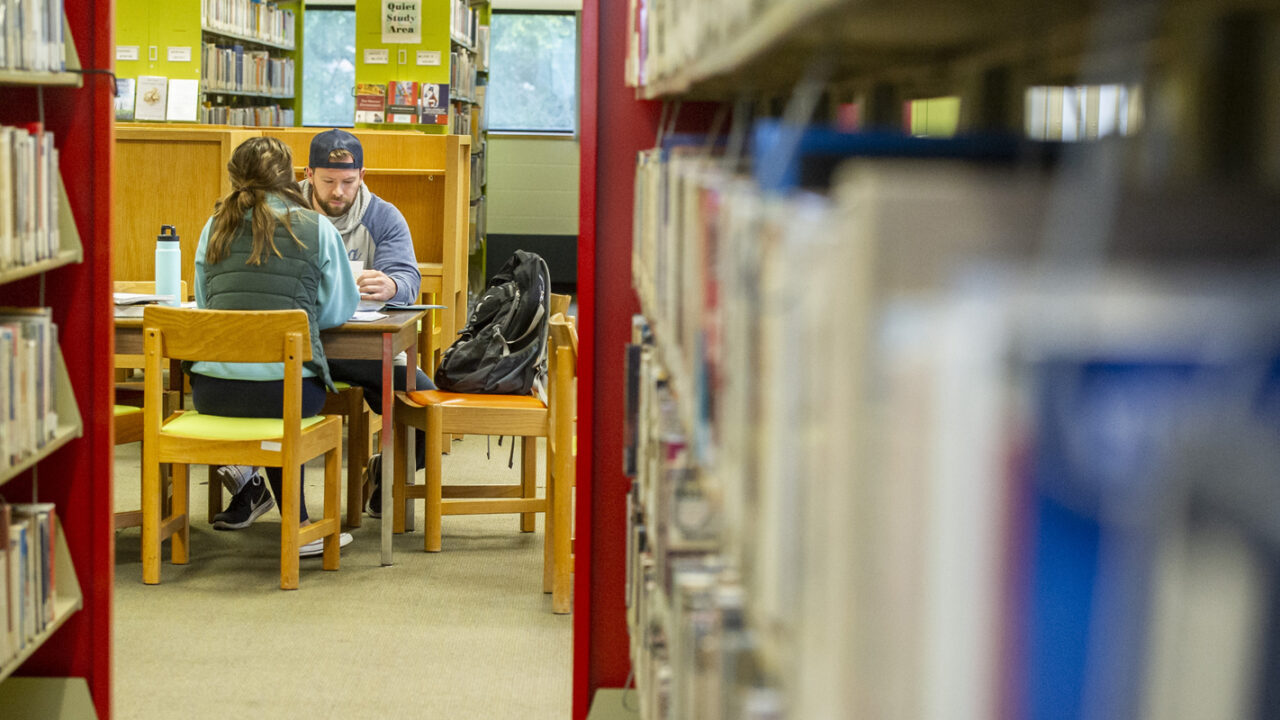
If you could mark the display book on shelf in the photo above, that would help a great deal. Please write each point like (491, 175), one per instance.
(248, 52)
(38, 410)
(890, 457)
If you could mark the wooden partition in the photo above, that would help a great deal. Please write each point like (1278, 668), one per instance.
(173, 176)
(166, 176)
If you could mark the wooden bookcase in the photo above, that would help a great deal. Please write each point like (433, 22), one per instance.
(75, 471)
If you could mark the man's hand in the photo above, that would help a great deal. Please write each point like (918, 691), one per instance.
(374, 285)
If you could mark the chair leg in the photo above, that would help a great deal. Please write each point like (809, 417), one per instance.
(215, 492)
(357, 458)
(528, 479)
(435, 442)
(150, 520)
(180, 507)
(332, 511)
(289, 514)
(400, 474)
(548, 526)
(558, 513)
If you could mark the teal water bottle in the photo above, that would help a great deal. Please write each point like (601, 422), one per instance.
(169, 265)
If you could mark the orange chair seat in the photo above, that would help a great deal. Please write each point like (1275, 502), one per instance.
(452, 399)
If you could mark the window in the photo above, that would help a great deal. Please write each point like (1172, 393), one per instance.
(328, 66)
(533, 72)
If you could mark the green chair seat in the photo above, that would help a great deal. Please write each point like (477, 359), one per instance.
(119, 410)
(216, 427)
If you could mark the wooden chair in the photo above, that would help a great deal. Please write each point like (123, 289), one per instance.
(191, 438)
(439, 414)
(558, 556)
(128, 425)
(362, 423)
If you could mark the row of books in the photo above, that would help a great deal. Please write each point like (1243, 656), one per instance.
(28, 534)
(234, 69)
(252, 18)
(462, 121)
(665, 37)
(250, 116)
(479, 170)
(477, 225)
(31, 35)
(462, 74)
(29, 196)
(402, 101)
(465, 23)
(28, 386)
(892, 460)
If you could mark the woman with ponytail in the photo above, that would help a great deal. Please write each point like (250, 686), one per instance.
(265, 249)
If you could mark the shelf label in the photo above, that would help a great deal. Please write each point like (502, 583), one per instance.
(428, 57)
(377, 56)
(402, 21)
(126, 52)
(179, 53)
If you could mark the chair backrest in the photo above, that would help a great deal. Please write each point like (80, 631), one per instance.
(227, 335)
(559, 304)
(258, 336)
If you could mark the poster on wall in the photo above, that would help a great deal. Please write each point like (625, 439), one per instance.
(402, 21)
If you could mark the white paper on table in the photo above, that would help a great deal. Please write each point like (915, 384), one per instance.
(366, 316)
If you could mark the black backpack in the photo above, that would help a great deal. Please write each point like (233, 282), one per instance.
(503, 348)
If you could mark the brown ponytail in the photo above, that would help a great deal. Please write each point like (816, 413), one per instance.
(258, 167)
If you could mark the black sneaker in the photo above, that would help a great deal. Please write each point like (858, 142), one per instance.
(248, 505)
(373, 477)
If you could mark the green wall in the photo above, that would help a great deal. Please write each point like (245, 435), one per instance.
(533, 185)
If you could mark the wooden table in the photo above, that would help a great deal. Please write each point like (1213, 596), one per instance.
(382, 339)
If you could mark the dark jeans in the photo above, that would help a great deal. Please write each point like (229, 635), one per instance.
(368, 375)
(257, 399)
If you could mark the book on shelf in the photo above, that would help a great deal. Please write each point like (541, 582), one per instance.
(29, 198)
(402, 102)
(151, 102)
(125, 91)
(29, 601)
(28, 341)
(435, 104)
(183, 103)
(371, 102)
(31, 35)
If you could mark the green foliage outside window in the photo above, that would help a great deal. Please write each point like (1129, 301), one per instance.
(329, 67)
(533, 72)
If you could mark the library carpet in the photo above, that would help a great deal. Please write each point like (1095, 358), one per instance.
(465, 633)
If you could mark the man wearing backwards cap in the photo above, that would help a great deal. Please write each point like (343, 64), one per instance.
(375, 233)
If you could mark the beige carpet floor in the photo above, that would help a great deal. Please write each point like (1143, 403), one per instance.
(462, 634)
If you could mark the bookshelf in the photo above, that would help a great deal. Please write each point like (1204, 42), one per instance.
(73, 470)
(239, 53)
(883, 536)
(471, 71)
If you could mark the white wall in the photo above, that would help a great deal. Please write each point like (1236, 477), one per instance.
(572, 5)
(532, 185)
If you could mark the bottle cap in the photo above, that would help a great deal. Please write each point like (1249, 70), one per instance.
(168, 233)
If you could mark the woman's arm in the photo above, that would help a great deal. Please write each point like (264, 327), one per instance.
(338, 297)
